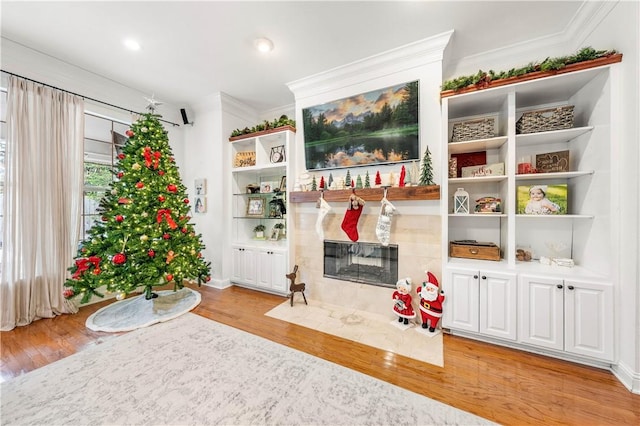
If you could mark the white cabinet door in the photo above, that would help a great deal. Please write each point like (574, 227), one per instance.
(461, 307)
(279, 281)
(541, 311)
(589, 319)
(498, 315)
(272, 270)
(244, 265)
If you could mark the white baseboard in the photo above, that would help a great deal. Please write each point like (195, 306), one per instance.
(219, 284)
(629, 378)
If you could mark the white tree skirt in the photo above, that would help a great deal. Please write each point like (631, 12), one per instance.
(138, 312)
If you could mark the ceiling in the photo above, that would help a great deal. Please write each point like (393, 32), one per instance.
(193, 49)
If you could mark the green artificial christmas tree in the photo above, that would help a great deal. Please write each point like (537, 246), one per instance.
(144, 239)
(358, 182)
(347, 179)
(367, 182)
(426, 171)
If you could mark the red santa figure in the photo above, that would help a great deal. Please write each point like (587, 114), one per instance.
(430, 302)
(402, 301)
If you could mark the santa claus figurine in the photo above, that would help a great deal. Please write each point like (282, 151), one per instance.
(431, 299)
(402, 301)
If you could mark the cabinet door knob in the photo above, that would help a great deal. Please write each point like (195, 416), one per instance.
(475, 277)
(571, 287)
(559, 285)
(484, 277)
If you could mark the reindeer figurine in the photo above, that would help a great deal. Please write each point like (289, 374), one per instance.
(293, 287)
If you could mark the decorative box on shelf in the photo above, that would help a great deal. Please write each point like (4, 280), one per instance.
(544, 120)
(481, 128)
(471, 249)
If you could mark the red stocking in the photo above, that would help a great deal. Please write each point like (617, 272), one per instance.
(351, 217)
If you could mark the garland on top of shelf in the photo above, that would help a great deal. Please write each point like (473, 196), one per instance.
(483, 80)
(283, 121)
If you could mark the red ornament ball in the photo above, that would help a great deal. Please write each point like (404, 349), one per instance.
(119, 258)
(166, 236)
(120, 174)
(208, 278)
(121, 156)
(161, 198)
(123, 200)
(129, 133)
(151, 253)
(169, 277)
(119, 218)
(186, 201)
(67, 293)
(161, 172)
(184, 230)
(172, 188)
(139, 185)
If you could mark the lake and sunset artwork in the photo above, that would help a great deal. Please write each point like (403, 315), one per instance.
(376, 127)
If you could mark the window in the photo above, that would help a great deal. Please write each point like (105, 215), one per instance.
(103, 140)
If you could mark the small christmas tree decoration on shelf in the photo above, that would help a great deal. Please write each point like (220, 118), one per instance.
(426, 172)
(378, 179)
(359, 182)
(347, 180)
(145, 238)
(322, 185)
(314, 184)
(367, 180)
(403, 174)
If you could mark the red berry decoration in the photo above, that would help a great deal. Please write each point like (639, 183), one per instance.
(129, 133)
(151, 253)
(139, 185)
(119, 218)
(121, 156)
(119, 258)
(166, 236)
(161, 172)
(161, 198)
(184, 230)
(120, 174)
(172, 188)
(169, 277)
(186, 201)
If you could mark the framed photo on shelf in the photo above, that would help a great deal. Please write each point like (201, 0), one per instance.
(266, 187)
(542, 199)
(255, 206)
(275, 234)
(283, 184)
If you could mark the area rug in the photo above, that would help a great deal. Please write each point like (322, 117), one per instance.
(194, 371)
(377, 330)
(136, 312)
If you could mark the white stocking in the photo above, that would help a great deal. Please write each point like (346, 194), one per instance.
(324, 209)
(383, 227)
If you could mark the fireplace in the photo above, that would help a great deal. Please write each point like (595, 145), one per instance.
(368, 263)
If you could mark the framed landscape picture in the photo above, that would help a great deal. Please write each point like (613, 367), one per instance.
(376, 127)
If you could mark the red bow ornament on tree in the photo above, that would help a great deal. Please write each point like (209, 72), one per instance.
(166, 214)
(84, 265)
(151, 157)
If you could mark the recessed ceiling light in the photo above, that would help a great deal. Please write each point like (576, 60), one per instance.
(263, 44)
(131, 44)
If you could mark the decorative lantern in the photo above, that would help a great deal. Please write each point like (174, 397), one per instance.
(461, 201)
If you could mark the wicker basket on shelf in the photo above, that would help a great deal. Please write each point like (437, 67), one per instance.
(473, 129)
(544, 120)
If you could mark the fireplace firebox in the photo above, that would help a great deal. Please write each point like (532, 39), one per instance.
(360, 262)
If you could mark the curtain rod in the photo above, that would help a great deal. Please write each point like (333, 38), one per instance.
(84, 97)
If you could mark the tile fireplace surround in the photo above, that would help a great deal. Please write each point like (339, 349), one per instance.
(419, 248)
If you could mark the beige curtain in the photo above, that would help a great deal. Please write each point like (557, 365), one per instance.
(42, 200)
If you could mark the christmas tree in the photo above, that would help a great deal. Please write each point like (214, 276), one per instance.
(367, 181)
(144, 239)
(426, 171)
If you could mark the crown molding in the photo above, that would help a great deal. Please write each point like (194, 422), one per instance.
(586, 19)
(416, 54)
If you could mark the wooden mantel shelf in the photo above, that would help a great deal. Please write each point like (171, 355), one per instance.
(407, 193)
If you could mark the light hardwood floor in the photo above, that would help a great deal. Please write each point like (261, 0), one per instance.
(503, 385)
